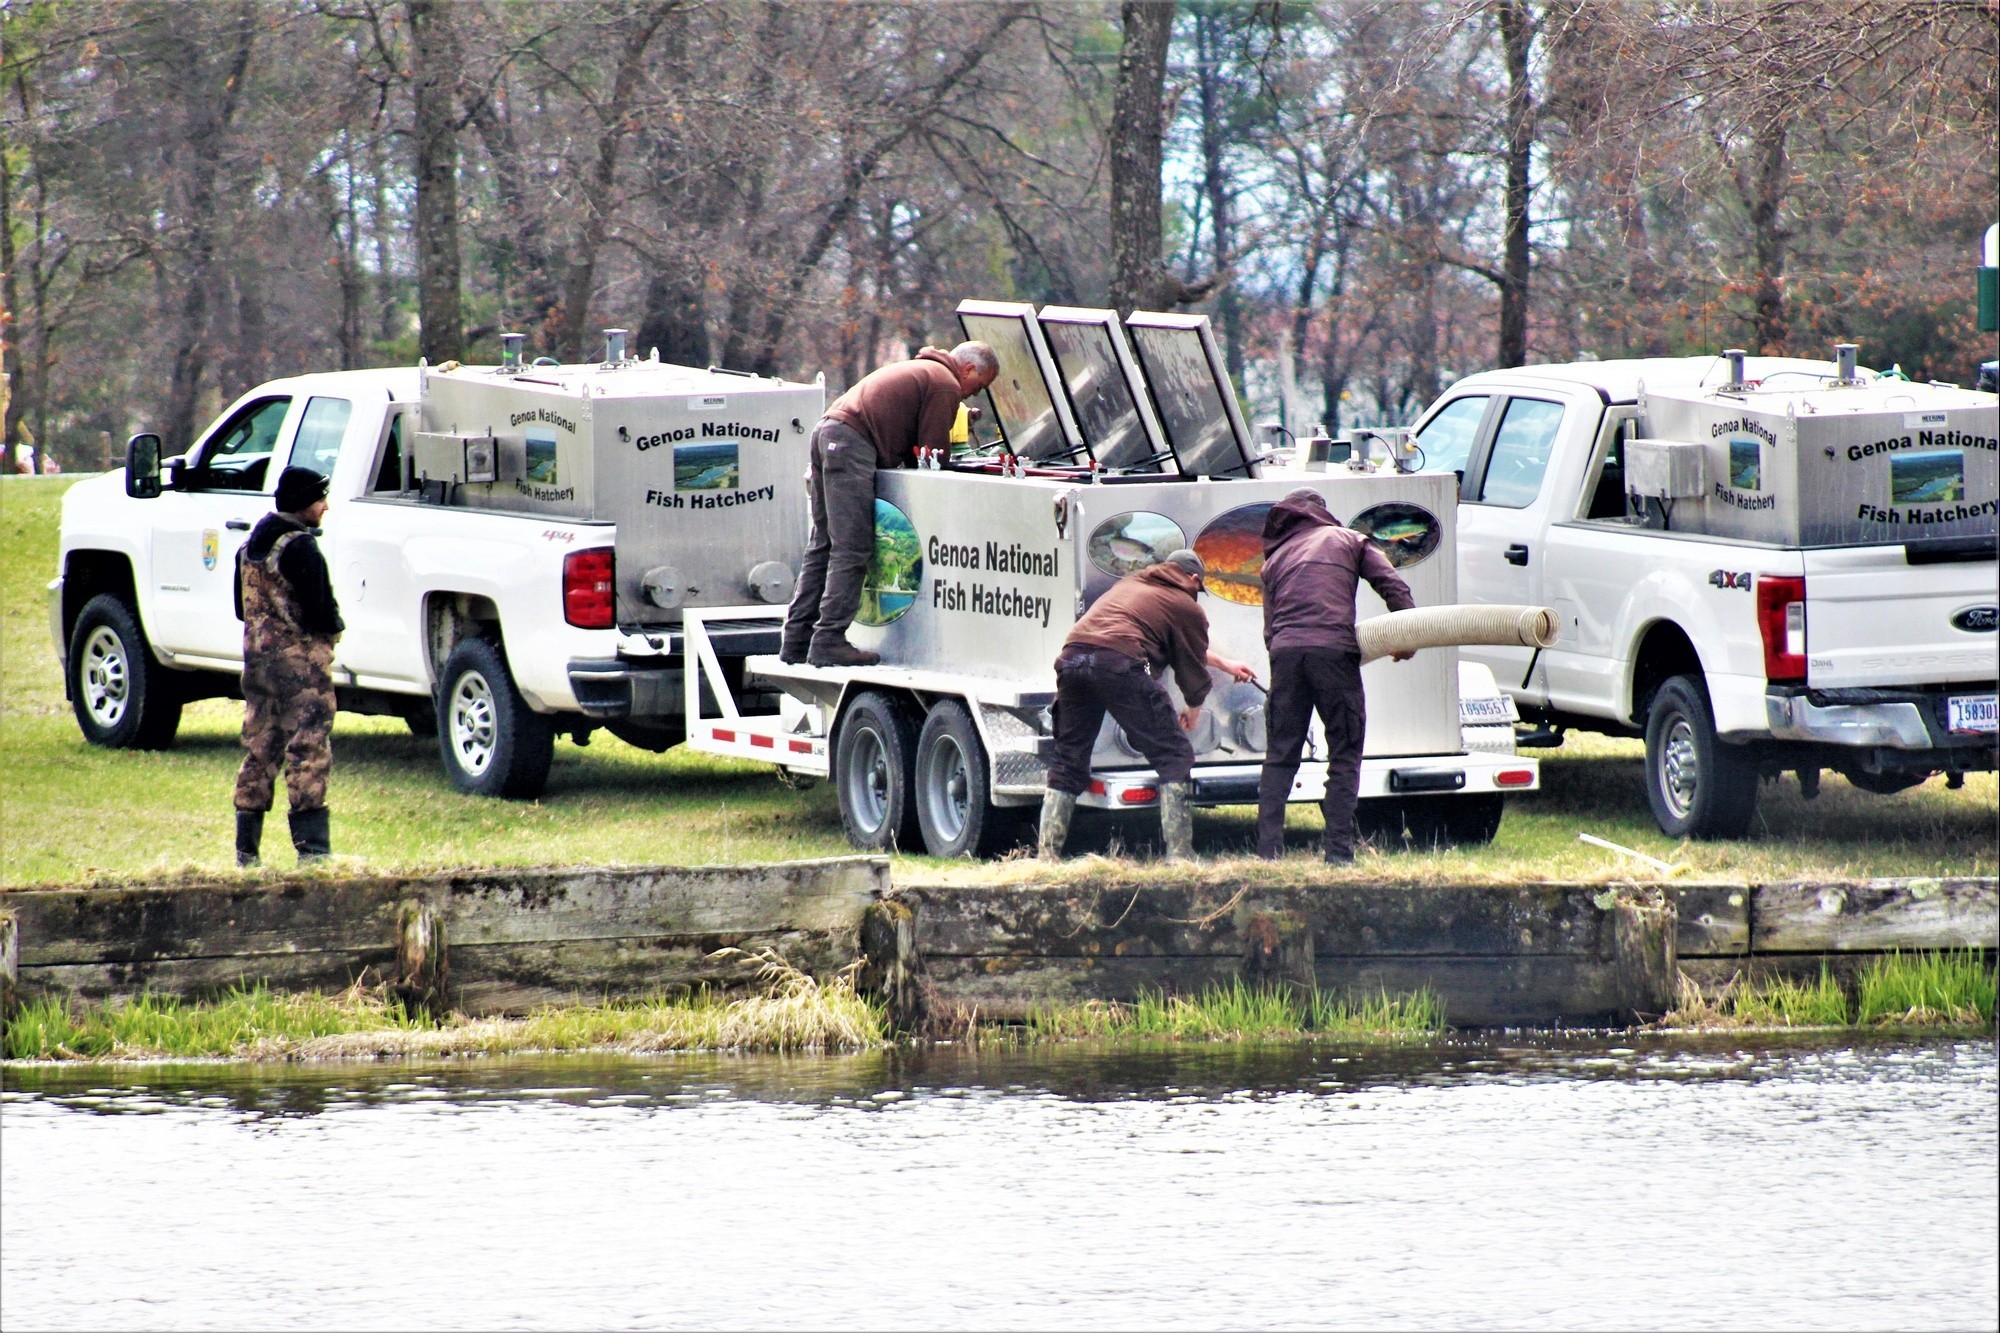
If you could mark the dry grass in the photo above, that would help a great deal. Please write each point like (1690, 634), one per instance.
(794, 1012)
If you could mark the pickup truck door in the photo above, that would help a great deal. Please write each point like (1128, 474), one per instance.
(1503, 462)
(384, 643)
(225, 487)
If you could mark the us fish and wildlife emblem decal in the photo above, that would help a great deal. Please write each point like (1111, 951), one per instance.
(211, 544)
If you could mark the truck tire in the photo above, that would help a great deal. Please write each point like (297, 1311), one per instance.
(122, 698)
(955, 810)
(1698, 786)
(874, 761)
(492, 743)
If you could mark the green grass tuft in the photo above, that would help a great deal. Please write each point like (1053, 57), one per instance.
(1782, 1002)
(1955, 987)
(245, 1021)
(1237, 1012)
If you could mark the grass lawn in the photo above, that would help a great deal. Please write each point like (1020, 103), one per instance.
(71, 812)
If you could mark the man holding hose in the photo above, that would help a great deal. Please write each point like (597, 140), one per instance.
(1312, 569)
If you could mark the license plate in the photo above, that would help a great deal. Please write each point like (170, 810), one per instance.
(1486, 712)
(1971, 712)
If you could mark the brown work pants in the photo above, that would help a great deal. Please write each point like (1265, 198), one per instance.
(1091, 682)
(1305, 681)
(841, 490)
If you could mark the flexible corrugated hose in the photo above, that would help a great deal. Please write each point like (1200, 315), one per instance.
(1447, 626)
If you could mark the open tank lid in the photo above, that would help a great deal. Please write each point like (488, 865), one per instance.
(1194, 395)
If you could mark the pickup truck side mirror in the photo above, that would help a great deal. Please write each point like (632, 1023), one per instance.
(142, 466)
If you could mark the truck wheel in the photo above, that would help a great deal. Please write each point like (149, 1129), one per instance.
(873, 762)
(955, 808)
(1698, 787)
(122, 698)
(493, 744)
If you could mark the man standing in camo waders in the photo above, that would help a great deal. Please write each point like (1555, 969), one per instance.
(1148, 622)
(284, 598)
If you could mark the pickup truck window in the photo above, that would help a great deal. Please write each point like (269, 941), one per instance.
(1520, 453)
(320, 429)
(389, 468)
(1447, 438)
(239, 455)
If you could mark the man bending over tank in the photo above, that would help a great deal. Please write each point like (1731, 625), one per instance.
(290, 623)
(1148, 622)
(879, 423)
(1312, 569)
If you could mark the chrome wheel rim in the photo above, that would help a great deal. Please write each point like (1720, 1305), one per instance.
(1680, 768)
(473, 723)
(868, 780)
(947, 785)
(107, 677)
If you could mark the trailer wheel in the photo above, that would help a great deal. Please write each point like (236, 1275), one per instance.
(493, 744)
(122, 699)
(873, 763)
(1698, 786)
(955, 807)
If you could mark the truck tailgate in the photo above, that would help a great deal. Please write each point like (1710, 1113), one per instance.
(1873, 619)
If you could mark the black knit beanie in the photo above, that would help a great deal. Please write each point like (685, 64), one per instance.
(298, 489)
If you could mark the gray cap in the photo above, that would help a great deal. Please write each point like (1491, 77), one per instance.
(1189, 561)
(1308, 495)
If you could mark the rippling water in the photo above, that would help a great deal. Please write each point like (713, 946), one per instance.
(1669, 1183)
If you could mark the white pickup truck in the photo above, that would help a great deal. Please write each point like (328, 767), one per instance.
(510, 547)
(1783, 568)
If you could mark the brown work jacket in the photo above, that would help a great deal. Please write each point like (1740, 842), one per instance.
(1312, 569)
(903, 407)
(1152, 617)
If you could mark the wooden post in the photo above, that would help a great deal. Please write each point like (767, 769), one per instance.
(10, 966)
(1643, 931)
(420, 959)
(1278, 952)
(891, 969)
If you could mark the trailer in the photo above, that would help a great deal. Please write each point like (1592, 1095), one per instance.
(1106, 446)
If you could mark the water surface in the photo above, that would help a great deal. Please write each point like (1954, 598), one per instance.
(1689, 1183)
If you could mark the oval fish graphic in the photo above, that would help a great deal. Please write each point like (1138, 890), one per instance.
(1406, 533)
(211, 546)
(896, 573)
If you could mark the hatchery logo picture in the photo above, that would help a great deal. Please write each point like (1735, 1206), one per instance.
(706, 467)
(542, 458)
(1746, 463)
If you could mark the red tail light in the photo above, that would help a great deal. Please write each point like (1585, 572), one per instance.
(1781, 620)
(1139, 795)
(589, 596)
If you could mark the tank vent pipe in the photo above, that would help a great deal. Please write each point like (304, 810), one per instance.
(1843, 353)
(1735, 358)
(614, 347)
(510, 350)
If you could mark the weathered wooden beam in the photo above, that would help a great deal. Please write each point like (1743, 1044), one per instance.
(10, 966)
(1712, 920)
(1875, 915)
(892, 968)
(422, 960)
(1278, 953)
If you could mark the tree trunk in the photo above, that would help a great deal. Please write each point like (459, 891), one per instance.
(1215, 184)
(1517, 35)
(434, 83)
(209, 124)
(613, 121)
(10, 305)
(1768, 236)
(1137, 128)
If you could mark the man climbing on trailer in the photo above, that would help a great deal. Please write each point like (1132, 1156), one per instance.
(1146, 623)
(879, 423)
(1312, 569)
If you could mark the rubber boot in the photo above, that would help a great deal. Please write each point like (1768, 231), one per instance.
(1057, 809)
(1177, 819)
(833, 650)
(311, 835)
(249, 837)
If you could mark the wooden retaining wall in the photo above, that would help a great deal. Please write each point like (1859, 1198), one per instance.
(508, 940)
(484, 942)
